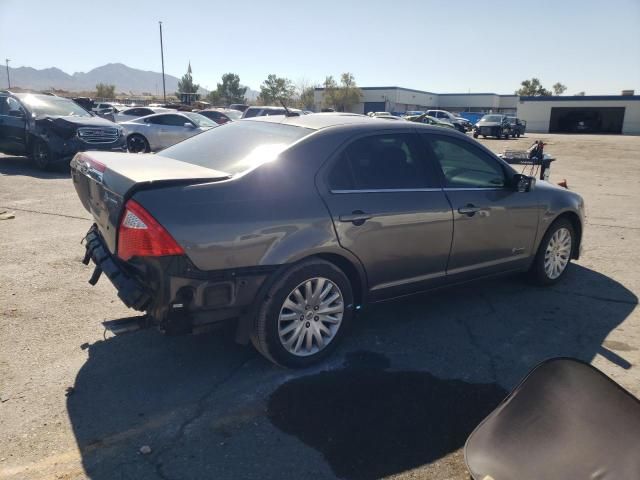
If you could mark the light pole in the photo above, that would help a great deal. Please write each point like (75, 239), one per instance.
(164, 89)
(6, 61)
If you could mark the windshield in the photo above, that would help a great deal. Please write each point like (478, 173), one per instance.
(200, 120)
(491, 118)
(49, 106)
(236, 147)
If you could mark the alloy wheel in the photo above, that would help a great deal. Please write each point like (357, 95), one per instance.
(557, 253)
(310, 317)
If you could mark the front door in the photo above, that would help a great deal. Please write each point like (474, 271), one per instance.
(12, 126)
(494, 225)
(390, 211)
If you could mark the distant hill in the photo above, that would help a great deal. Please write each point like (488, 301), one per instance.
(126, 79)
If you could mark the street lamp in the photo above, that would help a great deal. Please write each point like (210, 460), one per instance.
(6, 61)
(164, 89)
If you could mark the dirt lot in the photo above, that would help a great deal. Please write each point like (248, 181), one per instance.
(397, 400)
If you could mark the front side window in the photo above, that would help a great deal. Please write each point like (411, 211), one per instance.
(252, 112)
(173, 120)
(464, 165)
(381, 162)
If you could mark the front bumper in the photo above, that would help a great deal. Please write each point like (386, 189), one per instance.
(64, 150)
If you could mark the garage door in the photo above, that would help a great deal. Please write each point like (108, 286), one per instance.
(374, 107)
(586, 120)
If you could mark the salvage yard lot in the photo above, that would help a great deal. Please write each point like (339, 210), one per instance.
(396, 400)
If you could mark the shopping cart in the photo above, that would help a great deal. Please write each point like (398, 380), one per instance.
(534, 160)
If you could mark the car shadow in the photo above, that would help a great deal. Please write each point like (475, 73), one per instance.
(23, 166)
(404, 390)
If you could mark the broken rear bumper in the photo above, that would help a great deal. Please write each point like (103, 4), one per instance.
(130, 291)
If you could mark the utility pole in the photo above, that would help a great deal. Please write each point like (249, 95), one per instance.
(164, 88)
(6, 61)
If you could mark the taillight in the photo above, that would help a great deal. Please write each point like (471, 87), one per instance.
(140, 235)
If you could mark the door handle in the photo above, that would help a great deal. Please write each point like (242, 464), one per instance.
(357, 217)
(469, 210)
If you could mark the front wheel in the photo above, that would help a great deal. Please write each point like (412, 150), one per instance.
(41, 155)
(304, 315)
(475, 135)
(554, 253)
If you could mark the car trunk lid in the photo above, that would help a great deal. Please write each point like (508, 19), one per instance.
(105, 180)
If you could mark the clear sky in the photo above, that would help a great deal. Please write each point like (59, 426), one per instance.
(440, 46)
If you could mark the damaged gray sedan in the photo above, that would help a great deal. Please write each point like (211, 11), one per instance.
(288, 225)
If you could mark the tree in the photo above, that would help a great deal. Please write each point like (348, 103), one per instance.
(559, 88)
(579, 94)
(532, 88)
(105, 91)
(344, 96)
(275, 90)
(330, 92)
(186, 85)
(307, 98)
(229, 91)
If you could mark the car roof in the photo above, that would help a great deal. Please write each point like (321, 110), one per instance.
(318, 121)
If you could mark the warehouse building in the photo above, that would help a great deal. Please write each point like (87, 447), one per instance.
(553, 114)
(582, 114)
(400, 100)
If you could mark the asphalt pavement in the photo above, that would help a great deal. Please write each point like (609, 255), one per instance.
(396, 400)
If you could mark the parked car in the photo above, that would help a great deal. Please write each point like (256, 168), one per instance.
(388, 117)
(238, 106)
(428, 120)
(518, 127)
(266, 111)
(161, 130)
(288, 225)
(132, 113)
(51, 129)
(221, 115)
(466, 124)
(458, 122)
(493, 125)
(413, 113)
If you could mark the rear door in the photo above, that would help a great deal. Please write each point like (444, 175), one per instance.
(494, 225)
(389, 210)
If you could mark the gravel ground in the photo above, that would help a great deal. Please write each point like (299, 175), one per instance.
(397, 400)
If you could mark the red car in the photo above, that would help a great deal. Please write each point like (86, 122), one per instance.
(221, 115)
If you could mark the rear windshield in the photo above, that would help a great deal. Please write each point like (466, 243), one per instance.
(236, 147)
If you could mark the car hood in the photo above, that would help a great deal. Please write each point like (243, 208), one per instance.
(72, 122)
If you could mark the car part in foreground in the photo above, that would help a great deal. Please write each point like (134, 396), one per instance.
(565, 420)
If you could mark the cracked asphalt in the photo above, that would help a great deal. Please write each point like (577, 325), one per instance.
(397, 400)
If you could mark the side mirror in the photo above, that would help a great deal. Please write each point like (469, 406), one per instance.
(189, 125)
(523, 183)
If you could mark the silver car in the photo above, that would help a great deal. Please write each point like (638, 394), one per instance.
(161, 130)
(128, 114)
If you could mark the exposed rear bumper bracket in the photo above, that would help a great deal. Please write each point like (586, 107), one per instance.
(130, 291)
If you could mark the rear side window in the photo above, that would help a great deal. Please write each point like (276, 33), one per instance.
(381, 162)
(464, 165)
(236, 147)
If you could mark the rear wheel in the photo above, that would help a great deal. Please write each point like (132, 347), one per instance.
(41, 155)
(304, 315)
(554, 253)
(475, 135)
(136, 143)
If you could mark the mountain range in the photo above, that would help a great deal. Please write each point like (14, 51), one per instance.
(126, 79)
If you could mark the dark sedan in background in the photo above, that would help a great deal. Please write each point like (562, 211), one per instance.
(287, 225)
(493, 125)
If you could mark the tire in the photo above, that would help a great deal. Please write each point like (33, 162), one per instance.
(41, 155)
(270, 334)
(137, 143)
(475, 135)
(541, 275)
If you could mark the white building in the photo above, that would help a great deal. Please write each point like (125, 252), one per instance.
(594, 114)
(400, 100)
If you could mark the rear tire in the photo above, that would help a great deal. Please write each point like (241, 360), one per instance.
(291, 318)
(475, 135)
(554, 253)
(137, 143)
